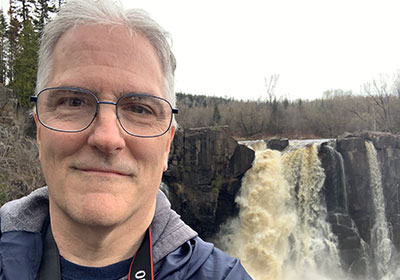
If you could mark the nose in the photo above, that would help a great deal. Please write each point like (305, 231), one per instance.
(106, 134)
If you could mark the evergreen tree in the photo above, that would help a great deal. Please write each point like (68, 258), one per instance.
(3, 47)
(216, 115)
(23, 43)
(12, 36)
(285, 103)
(276, 115)
(60, 2)
(43, 11)
(24, 9)
(25, 66)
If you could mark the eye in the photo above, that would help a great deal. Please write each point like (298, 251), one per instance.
(140, 109)
(138, 105)
(63, 101)
(71, 101)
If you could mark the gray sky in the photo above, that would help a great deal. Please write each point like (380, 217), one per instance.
(228, 47)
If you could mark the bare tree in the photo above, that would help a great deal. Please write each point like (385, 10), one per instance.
(270, 85)
(380, 93)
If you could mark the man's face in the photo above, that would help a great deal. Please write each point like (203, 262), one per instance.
(102, 176)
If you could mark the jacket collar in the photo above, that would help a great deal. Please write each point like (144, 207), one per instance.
(23, 219)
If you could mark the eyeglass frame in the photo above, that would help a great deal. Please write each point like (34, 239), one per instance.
(35, 99)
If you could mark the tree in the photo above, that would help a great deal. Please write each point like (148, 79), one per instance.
(43, 11)
(12, 35)
(381, 94)
(274, 121)
(3, 47)
(270, 85)
(25, 67)
(60, 2)
(216, 115)
(24, 9)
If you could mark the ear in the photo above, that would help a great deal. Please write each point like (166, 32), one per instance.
(171, 134)
(37, 128)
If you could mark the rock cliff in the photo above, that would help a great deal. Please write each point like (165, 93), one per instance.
(204, 176)
(349, 191)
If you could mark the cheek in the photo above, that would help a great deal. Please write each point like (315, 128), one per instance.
(149, 152)
(54, 147)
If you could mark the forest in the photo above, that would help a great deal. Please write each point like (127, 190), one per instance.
(20, 29)
(376, 107)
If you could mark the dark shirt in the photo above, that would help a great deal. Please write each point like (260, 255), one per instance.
(71, 271)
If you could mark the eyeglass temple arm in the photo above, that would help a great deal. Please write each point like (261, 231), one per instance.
(175, 111)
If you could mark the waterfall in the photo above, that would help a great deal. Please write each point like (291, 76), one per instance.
(338, 177)
(342, 177)
(267, 218)
(314, 247)
(281, 231)
(382, 247)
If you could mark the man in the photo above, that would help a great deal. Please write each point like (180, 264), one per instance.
(104, 116)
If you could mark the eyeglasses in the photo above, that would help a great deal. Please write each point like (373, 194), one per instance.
(69, 109)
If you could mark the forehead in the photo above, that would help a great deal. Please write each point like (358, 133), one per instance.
(106, 58)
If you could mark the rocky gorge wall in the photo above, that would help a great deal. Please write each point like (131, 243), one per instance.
(350, 191)
(204, 175)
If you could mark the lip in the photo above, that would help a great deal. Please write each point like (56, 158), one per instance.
(102, 171)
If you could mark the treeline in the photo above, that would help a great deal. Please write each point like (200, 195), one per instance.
(20, 29)
(376, 108)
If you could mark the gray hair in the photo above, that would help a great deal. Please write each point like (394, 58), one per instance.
(80, 12)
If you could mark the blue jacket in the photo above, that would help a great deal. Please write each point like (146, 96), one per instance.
(178, 253)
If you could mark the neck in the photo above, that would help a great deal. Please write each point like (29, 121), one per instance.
(97, 246)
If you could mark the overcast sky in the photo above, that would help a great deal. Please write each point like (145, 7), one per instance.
(228, 47)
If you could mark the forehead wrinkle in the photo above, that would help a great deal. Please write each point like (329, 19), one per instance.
(91, 57)
(117, 87)
(90, 49)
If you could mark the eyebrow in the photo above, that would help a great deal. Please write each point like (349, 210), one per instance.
(97, 92)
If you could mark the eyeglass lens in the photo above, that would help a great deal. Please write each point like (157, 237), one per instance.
(74, 110)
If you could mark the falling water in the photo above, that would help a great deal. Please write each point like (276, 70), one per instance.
(281, 232)
(383, 248)
(267, 218)
(338, 179)
(314, 246)
(342, 178)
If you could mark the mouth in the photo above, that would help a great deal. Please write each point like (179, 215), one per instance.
(102, 171)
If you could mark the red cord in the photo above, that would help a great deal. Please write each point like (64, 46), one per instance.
(151, 259)
(151, 255)
(130, 267)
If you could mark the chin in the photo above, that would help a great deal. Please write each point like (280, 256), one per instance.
(100, 218)
(101, 212)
